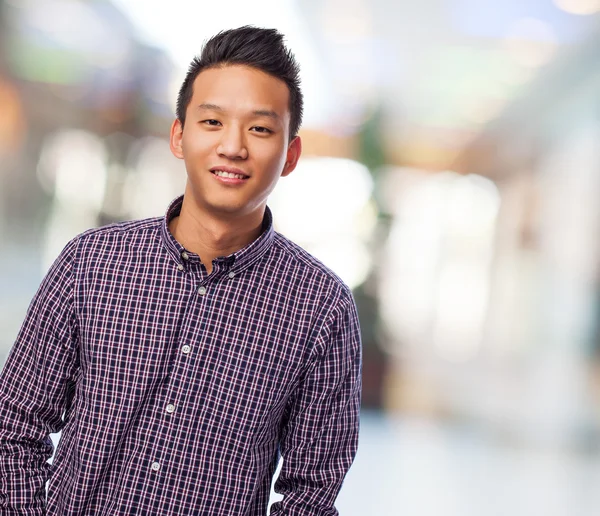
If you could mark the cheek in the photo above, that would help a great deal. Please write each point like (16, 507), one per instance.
(195, 145)
(271, 157)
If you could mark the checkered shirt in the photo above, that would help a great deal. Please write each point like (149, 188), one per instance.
(176, 391)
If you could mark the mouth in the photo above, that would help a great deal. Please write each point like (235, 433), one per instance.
(230, 173)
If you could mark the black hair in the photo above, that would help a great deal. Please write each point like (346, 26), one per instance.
(255, 47)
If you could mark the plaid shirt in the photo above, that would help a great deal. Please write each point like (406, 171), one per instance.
(176, 390)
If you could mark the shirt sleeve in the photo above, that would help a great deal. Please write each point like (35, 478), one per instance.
(320, 436)
(36, 388)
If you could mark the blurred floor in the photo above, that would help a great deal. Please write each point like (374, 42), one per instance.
(410, 467)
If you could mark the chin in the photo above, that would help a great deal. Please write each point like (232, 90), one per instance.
(228, 208)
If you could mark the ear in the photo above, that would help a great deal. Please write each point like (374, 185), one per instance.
(293, 155)
(175, 139)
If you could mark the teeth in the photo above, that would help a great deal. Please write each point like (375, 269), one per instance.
(222, 173)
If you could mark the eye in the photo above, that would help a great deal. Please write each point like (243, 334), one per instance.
(262, 130)
(211, 122)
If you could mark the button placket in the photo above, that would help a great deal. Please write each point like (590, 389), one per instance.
(170, 408)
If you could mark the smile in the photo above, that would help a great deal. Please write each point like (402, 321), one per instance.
(232, 175)
(229, 176)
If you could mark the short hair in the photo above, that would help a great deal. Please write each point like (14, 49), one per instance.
(255, 47)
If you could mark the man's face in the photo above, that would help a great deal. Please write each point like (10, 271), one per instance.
(235, 142)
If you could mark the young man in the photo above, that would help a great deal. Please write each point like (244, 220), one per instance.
(179, 355)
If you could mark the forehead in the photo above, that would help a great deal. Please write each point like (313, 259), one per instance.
(241, 88)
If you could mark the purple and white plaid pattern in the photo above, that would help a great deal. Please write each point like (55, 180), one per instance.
(175, 390)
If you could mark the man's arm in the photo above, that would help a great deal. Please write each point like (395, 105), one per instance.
(35, 389)
(320, 437)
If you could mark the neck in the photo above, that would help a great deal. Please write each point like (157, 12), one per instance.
(211, 236)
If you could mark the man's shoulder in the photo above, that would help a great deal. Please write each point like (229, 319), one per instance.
(121, 229)
(311, 268)
(116, 233)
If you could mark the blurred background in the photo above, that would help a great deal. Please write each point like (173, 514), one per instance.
(450, 176)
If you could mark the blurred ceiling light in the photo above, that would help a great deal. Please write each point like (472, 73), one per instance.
(581, 7)
(531, 42)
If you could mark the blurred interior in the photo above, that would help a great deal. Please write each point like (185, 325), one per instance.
(450, 176)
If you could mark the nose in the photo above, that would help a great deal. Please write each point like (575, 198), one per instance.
(232, 144)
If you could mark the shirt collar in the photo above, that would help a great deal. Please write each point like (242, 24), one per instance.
(235, 261)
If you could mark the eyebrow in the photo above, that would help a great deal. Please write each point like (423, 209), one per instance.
(266, 112)
(212, 107)
(257, 112)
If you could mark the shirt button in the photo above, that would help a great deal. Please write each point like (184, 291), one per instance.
(155, 466)
(202, 291)
(185, 349)
(231, 274)
(184, 255)
(170, 408)
(180, 266)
